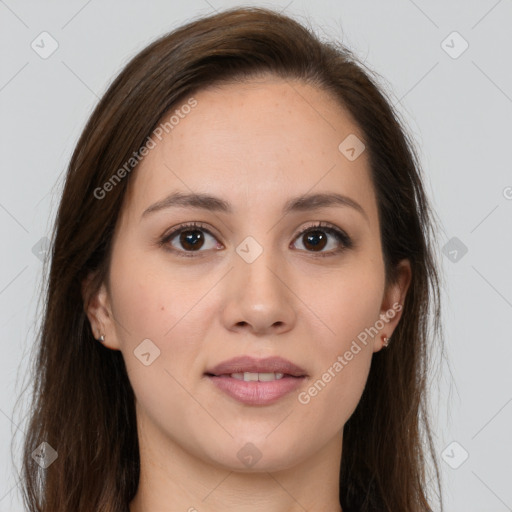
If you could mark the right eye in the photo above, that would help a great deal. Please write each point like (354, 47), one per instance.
(191, 237)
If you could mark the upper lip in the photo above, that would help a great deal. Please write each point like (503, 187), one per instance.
(250, 364)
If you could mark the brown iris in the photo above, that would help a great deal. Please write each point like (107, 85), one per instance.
(316, 239)
(189, 239)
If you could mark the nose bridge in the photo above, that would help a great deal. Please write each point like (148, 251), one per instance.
(257, 294)
(257, 262)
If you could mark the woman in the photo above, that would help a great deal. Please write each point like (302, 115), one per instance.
(242, 288)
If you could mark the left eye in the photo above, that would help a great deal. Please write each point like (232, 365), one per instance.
(314, 238)
(317, 237)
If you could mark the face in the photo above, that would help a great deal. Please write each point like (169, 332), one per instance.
(249, 278)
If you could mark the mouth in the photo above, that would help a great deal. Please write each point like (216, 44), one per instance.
(255, 376)
(249, 368)
(254, 381)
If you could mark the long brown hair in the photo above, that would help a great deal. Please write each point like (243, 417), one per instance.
(82, 400)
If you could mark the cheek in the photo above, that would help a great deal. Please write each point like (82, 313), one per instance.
(152, 302)
(343, 353)
(149, 298)
(348, 303)
(341, 371)
(138, 306)
(148, 304)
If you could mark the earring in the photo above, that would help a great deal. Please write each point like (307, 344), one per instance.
(101, 338)
(385, 341)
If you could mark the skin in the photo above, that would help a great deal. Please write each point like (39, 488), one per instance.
(254, 145)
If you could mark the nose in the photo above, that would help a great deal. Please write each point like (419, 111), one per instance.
(258, 296)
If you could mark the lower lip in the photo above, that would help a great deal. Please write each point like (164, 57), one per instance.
(256, 392)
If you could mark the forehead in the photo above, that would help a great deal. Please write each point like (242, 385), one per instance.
(255, 143)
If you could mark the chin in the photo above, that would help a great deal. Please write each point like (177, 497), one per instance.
(254, 455)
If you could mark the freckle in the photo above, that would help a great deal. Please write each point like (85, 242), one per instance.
(162, 308)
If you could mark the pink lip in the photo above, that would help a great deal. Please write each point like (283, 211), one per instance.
(243, 364)
(256, 392)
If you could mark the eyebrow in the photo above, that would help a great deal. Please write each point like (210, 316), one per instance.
(216, 204)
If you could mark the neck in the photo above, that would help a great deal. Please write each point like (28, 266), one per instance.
(175, 479)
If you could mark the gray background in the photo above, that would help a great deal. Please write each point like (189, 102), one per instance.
(457, 105)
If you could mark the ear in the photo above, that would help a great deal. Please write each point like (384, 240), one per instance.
(393, 302)
(99, 312)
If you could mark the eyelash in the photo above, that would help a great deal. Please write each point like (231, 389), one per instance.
(340, 236)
